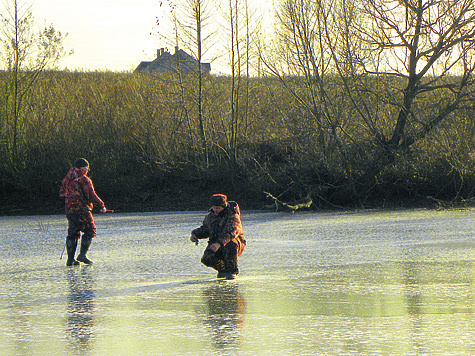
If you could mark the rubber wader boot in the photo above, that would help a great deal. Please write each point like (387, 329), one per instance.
(71, 245)
(232, 269)
(221, 274)
(85, 243)
(231, 275)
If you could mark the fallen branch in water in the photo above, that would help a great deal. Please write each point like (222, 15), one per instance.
(452, 204)
(278, 203)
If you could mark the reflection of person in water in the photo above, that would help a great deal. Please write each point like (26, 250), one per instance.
(226, 310)
(80, 310)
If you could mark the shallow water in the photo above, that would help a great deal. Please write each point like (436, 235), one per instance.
(397, 282)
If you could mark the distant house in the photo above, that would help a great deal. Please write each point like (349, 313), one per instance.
(180, 61)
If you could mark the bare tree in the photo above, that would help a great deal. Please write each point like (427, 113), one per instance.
(371, 79)
(420, 56)
(404, 66)
(300, 58)
(235, 61)
(190, 19)
(26, 54)
(240, 26)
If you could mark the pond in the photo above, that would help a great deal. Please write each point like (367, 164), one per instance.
(372, 282)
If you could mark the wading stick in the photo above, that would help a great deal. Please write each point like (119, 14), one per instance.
(62, 253)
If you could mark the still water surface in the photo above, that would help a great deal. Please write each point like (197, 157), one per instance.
(397, 282)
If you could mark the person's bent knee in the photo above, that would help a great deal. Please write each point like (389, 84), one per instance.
(206, 261)
(208, 258)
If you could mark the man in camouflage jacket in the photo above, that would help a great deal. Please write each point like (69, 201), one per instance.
(79, 194)
(222, 226)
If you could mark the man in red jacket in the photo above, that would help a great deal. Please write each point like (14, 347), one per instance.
(222, 226)
(78, 191)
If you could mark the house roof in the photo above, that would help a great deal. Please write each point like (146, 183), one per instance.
(165, 62)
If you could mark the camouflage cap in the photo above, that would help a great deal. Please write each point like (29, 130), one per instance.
(81, 162)
(219, 200)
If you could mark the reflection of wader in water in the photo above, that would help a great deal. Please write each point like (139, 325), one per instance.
(226, 310)
(80, 309)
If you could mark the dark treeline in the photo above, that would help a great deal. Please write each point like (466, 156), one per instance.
(142, 136)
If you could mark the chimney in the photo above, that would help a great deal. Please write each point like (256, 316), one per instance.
(176, 49)
(160, 52)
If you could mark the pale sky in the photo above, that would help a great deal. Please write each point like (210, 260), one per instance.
(105, 34)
